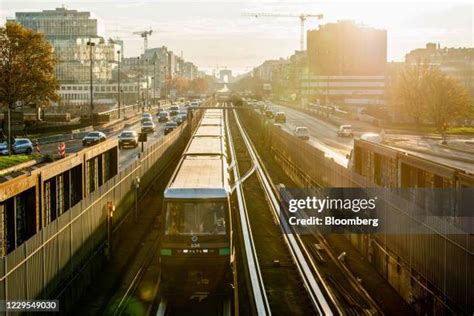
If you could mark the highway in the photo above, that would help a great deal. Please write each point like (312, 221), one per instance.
(323, 136)
(126, 156)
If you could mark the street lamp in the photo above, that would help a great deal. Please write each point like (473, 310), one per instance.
(91, 45)
(154, 82)
(164, 82)
(147, 103)
(118, 84)
(138, 82)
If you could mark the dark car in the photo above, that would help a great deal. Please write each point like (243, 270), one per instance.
(128, 138)
(174, 110)
(163, 116)
(178, 119)
(280, 117)
(269, 113)
(169, 127)
(93, 138)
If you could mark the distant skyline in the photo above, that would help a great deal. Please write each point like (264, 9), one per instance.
(213, 34)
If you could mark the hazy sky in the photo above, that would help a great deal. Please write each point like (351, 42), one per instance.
(215, 34)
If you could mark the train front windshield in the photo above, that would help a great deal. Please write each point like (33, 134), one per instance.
(195, 218)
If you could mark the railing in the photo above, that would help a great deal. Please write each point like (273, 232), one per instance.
(46, 261)
(422, 257)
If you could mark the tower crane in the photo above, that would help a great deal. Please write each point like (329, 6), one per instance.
(302, 18)
(145, 35)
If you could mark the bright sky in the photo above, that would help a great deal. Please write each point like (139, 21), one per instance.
(214, 34)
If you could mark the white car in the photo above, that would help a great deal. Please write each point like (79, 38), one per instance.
(302, 132)
(148, 127)
(147, 115)
(345, 131)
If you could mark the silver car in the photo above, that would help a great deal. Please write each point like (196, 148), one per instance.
(20, 146)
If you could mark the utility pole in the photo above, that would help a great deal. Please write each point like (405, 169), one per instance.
(118, 83)
(91, 45)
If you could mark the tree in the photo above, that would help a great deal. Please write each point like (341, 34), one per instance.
(424, 92)
(199, 85)
(409, 91)
(446, 99)
(27, 68)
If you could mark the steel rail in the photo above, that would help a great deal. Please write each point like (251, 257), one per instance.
(256, 281)
(315, 293)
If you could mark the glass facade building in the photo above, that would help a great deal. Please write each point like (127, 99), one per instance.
(69, 31)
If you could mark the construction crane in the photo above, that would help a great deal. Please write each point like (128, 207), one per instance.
(145, 35)
(302, 18)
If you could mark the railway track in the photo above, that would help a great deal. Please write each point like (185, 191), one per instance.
(344, 291)
(300, 293)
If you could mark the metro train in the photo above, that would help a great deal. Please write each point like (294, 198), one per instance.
(195, 246)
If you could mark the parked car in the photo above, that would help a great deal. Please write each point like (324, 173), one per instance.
(148, 127)
(93, 138)
(128, 138)
(169, 127)
(345, 131)
(302, 132)
(174, 110)
(20, 146)
(280, 117)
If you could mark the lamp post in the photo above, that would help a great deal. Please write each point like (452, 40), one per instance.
(154, 82)
(147, 103)
(118, 83)
(91, 45)
(138, 83)
(164, 82)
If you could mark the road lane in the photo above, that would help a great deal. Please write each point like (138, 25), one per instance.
(126, 155)
(323, 136)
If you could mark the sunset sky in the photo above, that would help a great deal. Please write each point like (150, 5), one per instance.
(215, 34)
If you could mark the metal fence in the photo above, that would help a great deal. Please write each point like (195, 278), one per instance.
(432, 270)
(45, 262)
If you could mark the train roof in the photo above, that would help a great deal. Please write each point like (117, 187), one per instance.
(210, 130)
(206, 145)
(214, 113)
(212, 121)
(199, 177)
